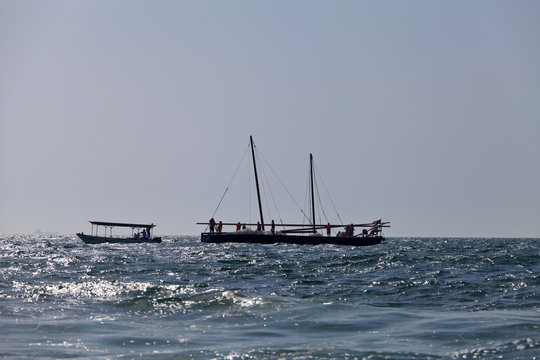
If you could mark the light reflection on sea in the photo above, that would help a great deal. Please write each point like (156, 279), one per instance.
(405, 298)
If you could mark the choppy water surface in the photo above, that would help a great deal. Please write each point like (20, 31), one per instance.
(404, 299)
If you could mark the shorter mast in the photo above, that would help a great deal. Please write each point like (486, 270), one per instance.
(257, 182)
(312, 193)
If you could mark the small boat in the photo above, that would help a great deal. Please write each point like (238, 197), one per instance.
(370, 234)
(138, 236)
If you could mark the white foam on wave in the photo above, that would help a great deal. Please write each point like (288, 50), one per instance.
(242, 301)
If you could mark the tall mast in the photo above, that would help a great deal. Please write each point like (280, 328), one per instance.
(257, 182)
(312, 192)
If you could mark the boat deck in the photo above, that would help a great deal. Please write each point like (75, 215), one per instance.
(90, 239)
(268, 238)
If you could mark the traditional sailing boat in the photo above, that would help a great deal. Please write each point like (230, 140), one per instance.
(371, 233)
(136, 236)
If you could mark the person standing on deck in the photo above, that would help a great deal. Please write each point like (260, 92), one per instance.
(328, 229)
(220, 227)
(273, 227)
(212, 224)
(258, 226)
(350, 230)
(238, 226)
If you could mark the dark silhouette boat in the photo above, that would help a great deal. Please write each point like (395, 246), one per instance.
(370, 234)
(137, 236)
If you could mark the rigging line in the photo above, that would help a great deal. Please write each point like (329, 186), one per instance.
(270, 190)
(284, 187)
(307, 198)
(328, 194)
(320, 202)
(230, 181)
(264, 182)
(266, 178)
(318, 206)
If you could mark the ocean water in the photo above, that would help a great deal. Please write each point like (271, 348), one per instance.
(428, 298)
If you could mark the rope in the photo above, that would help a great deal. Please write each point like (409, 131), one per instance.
(328, 194)
(307, 197)
(307, 216)
(262, 183)
(284, 187)
(229, 184)
(259, 154)
(319, 198)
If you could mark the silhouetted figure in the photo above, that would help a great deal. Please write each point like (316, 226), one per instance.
(258, 226)
(212, 225)
(328, 230)
(220, 227)
(238, 226)
(273, 227)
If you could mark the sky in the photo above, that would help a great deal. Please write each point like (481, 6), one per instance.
(422, 113)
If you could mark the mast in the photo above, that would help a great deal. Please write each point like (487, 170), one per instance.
(257, 182)
(312, 192)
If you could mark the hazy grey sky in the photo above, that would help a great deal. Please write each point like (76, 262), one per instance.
(423, 113)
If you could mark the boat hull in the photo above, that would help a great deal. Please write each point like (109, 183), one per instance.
(89, 239)
(265, 238)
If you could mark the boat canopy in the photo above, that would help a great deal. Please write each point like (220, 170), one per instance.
(128, 225)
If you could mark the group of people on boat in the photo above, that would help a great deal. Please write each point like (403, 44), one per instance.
(219, 226)
(212, 224)
(142, 235)
(348, 230)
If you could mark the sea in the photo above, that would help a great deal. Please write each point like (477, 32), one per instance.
(407, 298)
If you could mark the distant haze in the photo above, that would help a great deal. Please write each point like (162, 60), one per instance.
(425, 114)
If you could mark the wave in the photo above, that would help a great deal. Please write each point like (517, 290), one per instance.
(406, 298)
